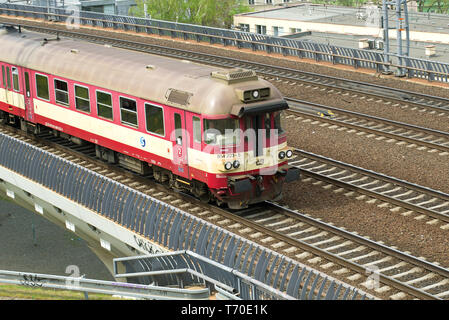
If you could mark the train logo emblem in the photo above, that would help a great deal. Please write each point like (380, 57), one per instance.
(142, 142)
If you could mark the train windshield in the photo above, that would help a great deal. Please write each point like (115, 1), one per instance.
(278, 123)
(261, 128)
(270, 123)
(222, 131)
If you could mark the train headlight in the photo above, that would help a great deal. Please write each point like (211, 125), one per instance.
(236, 164)
(289, 154)
(228, 166)
(281, 155)
(255, 94)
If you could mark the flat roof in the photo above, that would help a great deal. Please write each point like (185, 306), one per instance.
(425, 22)
(417, 48)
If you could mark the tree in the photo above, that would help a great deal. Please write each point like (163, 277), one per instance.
(202, 12)
(440, 6)
(437, 6)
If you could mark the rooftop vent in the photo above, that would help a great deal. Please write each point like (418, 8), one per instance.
(178, 97)
(235, 75)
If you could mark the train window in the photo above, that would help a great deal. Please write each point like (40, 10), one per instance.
(61, 92)
(42, 87)
(128, 111)
(104, 105)
(278, 123)
(155, 119)
(27, 85)
(8, 78)
(221, 132)
(15, 79)
(196, 129)
(178, 128)
(4, 76)
(82, 101)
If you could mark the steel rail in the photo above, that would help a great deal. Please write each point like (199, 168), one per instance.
(275, 71)
(221, 38)
(100, 167)
(246, 223)
(378, 176)
(268, 46)
(369, 117)
(405, 287)
(335, 258)
(294, 108)
(329, 256)
(364, 241)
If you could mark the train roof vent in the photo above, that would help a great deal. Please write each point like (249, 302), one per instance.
(235, 75)
(178, 97)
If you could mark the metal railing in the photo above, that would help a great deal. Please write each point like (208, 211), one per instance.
(168, 226)
(412, 67)
(189, 268)
(38, 280)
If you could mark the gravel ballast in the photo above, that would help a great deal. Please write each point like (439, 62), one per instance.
(420, 117)
(368, 76)
(379, 223)
(365, 75)
(404, 161)
(340, 71)
(417, 166)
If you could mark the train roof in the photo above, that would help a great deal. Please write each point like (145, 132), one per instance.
(187, 85)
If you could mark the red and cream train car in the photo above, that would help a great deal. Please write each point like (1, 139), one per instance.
(214, 132)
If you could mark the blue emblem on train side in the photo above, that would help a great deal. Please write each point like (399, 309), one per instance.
(142, 142)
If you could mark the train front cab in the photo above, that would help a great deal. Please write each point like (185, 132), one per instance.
(249, 154)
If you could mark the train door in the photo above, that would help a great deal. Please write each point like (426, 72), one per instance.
(29, 108)
(3, 85)
(260, 139)
(7, 83)
(17, 90)
(254, 140)
(179, 140)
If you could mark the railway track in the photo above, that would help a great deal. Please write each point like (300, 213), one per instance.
(370, 92)
(354, 256)
(290, 233)
(423, 201)
(434, 140)
(404, 277)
